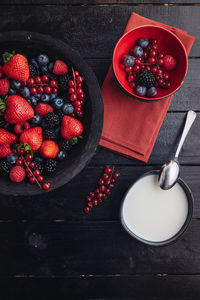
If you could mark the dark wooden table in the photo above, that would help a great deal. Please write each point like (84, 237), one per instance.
(49, 249)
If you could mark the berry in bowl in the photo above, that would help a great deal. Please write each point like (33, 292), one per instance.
(51, 113)
(150, 63)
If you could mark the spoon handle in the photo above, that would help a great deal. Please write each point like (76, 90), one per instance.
(191, 115)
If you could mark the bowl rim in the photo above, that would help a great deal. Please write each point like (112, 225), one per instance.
(96, 123)
(146, 99)
(185, 225)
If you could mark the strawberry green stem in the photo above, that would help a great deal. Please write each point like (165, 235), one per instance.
(7, 56)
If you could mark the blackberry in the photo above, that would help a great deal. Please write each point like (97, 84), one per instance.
(50, 165)
(145, 78)
(5, 167)
(33, 71)
(64, 145)
(52, 120)
(38, 166)
(49, 134)
(3, 123)
(53, 77)
(63, 82)
(60, 114)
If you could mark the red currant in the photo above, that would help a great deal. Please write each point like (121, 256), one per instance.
(31, 179)
(38, 79)
(90, 204)
(91, 194)
(155, 47)
(82, 96)
(80, 114)
(160, 55)
(152, 53)
(45, 78)
(19, 162)
(131, 78)
(97, 191)
(132, 85)
(154, 70)
(40, 90)
(168, 85)
(77, 109)
(36, 172)
(112, 180)
(87, 209)
(166, 76)
(154, 41)
(46, 185)
(95, 202)
(76, 73)
(79, 91)
(30, 82)
(88, 198)
(145, 54)
(160, 61)
(28, 157)
(105, 176)
(100, 182)
(32, 164)
(71, 83)
(108, 170)
(129, 69)
(40, 178)
(151, 60)
(102, 188)
(159, 72)
(54, 90)
(47, 89)
(99, 195)
(73, 97)
(71, 90)
(79, 79)
(107, 191)
(77, 103)
(116, 175)
(33, 90)
(122, 66)
(148, 68)
(160, 81)
(53, 83)
(136, 68)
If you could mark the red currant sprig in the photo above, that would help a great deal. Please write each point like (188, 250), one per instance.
(105, 184)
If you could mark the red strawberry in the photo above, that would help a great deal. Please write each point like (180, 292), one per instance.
(5, 150)
(18, 110)
(4, 86)
(43, 109)
(33, 137)
(16, 66)
(169, 63)
(71, 127)
(20, 127)
(7, 137)
(49, 149)
(60, 68)
(17, 174)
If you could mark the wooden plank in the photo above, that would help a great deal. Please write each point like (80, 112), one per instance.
(67, 203)
(91, 248)
(75, 24)
(98, 2)
(186, 98)
(148, 287)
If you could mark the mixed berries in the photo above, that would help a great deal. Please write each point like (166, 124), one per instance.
(147, 68)
(41, 102)
(105, 184)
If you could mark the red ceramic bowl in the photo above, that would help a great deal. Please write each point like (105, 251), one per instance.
(167, 43)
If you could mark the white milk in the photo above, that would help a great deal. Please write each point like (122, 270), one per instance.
(152, 213)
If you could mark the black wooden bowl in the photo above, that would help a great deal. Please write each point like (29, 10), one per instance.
(32, 44)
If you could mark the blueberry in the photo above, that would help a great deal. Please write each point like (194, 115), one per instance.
(50, 66)
(15, 84)
(33, 100)
(138, 51)
(12, 158)
(34, 63)
(68, 109)
(45, 98)
(141, 90)
(12, 92)
(129, 61)
(62, 155)
(36, 119)
(43, 59)
(152, 92)
(44, 70)
(38, 159)
(58, 103)
(143, 42)
(25, 92)
(57, 130)
(53, 96)
(38, 96)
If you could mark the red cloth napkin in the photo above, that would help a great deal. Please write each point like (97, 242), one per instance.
(131, 127)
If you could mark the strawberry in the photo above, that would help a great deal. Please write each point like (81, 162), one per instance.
(17, 174)
(60, 68)
(71, 127)
(49, 149)
(18, 110)
(7, 137)
(5, 150)
(16, 66)
(43, 109)
(4, 86)
(33, 137)
(169, 63)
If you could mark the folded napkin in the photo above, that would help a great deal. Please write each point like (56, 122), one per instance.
(131, 127)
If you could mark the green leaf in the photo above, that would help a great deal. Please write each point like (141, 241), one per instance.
(7, 56)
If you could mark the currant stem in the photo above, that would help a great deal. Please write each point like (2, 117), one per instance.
(74, 77)
(31, 172)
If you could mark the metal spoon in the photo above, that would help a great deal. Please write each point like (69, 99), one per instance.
(169, 172)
